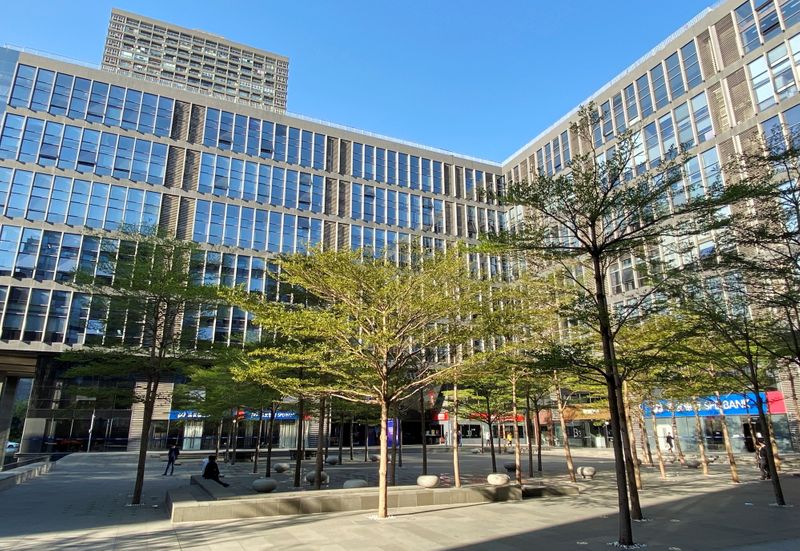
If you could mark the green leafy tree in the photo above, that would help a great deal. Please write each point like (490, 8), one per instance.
(141, 286)
(730, 337)
(377, 316)
(604, 208)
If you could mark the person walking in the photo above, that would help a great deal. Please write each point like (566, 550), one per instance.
(211, 472)
(172, 457)
(670, 440)
(761, 457)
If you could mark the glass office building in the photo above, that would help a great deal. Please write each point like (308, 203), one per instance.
(84, 151)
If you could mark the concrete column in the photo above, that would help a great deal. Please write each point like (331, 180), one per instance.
(8, 389)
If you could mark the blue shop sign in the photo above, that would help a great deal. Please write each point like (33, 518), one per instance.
(732, 404)
(188, 414)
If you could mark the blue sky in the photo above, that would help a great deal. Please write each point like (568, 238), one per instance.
(479, 78)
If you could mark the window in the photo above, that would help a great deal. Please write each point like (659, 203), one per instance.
(781, 68)
(691, 65)
(645, 101)
(702, 118)
(631, 108)
(760, 79)
(23, 86)
(768, 22)
(790, 9)
(674, 75)
(747, 27)
(684, 124)
(659, 86)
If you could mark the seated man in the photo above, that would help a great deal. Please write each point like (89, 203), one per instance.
(211, 471)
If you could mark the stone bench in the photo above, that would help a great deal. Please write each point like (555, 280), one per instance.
(214, 490)
(183, 509)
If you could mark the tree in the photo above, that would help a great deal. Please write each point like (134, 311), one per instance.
(728, 336)
(378, 316)
(605, 208)
(140, 286)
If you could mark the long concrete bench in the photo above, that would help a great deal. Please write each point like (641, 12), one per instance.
(183, 509)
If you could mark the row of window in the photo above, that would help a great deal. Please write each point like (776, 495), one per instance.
(265, 139)
(666, 82)
(93, 101)
(772, 75)
(63, 200)
(777, 129)
(279, 142)
(225, 224)
(760, 21)
(266, 184)
(81, 149)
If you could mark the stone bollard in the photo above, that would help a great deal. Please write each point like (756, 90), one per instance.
(264, 485)
(355, 483)
(498, 479)
(312, 476)
(281, 467)
(586, 472)
(374, 458)
(428, 480)
(332, 461)
(692, 464)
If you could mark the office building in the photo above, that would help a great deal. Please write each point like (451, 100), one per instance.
(217, 161)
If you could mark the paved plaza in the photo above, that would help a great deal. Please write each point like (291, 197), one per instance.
(82, 504)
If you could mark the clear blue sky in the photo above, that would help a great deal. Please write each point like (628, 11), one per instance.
(476, 77)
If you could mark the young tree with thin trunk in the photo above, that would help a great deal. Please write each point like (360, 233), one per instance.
(141, 285)
(606, 207)
(378, 316)
(729, 336)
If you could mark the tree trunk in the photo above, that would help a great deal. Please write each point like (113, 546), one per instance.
(676, 438)
(727, 439)
(564, 435)
(327, 434)
(551, 433)
(151, 392)
(352, 433)
(258, 439)
(383, 489)
(538, 437)
(530, 431)
(366, 442)
(701, 437)
(793, 394)
(491, 434)
(298, 460)
(661, 468)
(773, 471)
(612, 381)
(628, 446)
(634, 458)
(228, 442)
(235, 438)
(273, 410)
(517, 447)
(645, 439)
(393, 464)
(774, 443)
(320, 438)
(399, 442)
(422, 431)
(220, 427)
(454, 439)
(341, 435)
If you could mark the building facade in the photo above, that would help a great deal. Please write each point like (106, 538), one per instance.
(195, 61)
(186, 131)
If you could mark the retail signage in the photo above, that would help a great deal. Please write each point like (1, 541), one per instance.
(732, 404)
(187, 414)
